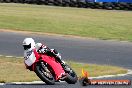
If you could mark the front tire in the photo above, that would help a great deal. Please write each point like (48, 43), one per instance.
(44, 73)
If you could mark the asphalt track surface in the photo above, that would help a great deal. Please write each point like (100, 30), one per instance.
(77, 49)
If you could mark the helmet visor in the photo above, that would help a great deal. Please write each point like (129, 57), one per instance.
(26, 47)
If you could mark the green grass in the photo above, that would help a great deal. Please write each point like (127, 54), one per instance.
(13, 69)
(102, 24)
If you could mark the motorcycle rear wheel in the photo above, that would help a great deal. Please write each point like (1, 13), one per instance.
(44, 73)
(71, 76)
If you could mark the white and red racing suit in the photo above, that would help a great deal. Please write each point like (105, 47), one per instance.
(30, 58)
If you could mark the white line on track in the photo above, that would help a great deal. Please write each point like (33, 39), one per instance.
(2, 83)
(21, 83)
(33, 82)
(118, 75)
(1, 55)
(9, 56)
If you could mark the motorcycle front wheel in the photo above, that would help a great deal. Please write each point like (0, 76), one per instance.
(44, 73)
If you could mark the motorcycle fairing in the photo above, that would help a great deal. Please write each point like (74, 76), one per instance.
(56, 66)
(29, 58)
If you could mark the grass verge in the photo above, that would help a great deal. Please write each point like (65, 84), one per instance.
(13, 69)
(102, 24)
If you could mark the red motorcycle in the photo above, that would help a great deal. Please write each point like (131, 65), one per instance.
(48, 69)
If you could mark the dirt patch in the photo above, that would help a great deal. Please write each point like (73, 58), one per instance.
(49, 34)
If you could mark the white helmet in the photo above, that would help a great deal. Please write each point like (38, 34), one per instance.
(28, 44)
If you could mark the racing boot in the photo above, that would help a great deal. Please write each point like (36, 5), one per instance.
(65, 67)
(58, 58)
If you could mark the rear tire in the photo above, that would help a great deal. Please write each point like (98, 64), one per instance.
(41, 71)
(71, 76)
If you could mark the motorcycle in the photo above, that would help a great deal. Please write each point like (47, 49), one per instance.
(48, 69)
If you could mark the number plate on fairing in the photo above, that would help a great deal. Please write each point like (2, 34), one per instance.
(29, 58)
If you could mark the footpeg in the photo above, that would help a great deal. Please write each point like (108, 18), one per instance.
(63, 77)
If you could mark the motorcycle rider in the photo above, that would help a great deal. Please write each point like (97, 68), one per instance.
(29, 45)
